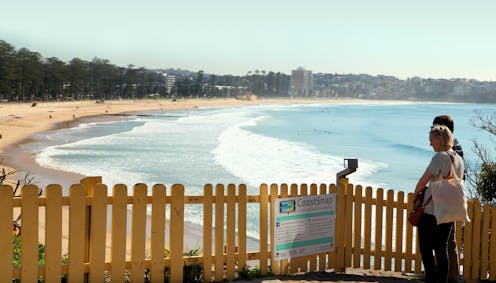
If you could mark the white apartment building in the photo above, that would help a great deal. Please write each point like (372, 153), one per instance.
(169, 82)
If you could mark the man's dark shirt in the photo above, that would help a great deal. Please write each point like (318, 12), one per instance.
(457, 147)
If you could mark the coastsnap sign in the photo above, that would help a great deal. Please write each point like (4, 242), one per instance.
(304, 225)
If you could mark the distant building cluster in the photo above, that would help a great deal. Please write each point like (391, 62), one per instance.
(415, 88)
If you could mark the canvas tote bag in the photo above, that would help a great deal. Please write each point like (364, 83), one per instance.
(448, 198)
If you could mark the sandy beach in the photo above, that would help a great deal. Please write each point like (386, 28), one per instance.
(19, 121)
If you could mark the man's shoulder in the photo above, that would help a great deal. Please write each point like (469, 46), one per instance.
(457, 147)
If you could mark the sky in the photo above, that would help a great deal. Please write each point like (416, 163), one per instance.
(428, 39)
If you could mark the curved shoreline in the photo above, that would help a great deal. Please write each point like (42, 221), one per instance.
(19, 122)
(21, 157)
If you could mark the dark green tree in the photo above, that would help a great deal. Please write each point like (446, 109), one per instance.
(199, 84)
(141, 86)
(104, 78)
(54, 79)
(7, 70)
(78, 78)
(184, 87)
(29, 75)
(130, 80)
(282, 83)
(271, 86)
(212, 90)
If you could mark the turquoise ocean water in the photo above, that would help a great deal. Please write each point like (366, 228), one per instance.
(260, 144)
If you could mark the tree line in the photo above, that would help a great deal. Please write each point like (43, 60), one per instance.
(261, 83)
(26, 76)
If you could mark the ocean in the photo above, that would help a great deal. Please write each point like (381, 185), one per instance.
(260, 144)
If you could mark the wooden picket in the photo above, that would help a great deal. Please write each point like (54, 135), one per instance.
(371, 232)
(6, 235)
(119, 226)
(207, 232)
(53, 233)
(29, 239)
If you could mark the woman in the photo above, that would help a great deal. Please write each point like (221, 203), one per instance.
(431, 235)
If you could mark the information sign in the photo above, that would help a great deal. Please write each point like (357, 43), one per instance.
(304, 225)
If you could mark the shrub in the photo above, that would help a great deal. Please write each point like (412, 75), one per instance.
(486, 181)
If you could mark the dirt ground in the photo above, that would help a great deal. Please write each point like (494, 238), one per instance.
(351, 275)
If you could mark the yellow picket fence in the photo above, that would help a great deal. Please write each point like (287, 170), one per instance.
(371, 233)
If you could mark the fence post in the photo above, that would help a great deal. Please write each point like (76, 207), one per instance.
(53, 233)
(467, 243)
(492, 246)
(340, 225)
(207, 232)
(89, 187)
(274, 194)
(348, 243)
(29, 239)
(242, 227)
(379, 205)
(138, 232)
(476, 240)
(264, 224)
(177, 233)
(6, 216)
(219, 233)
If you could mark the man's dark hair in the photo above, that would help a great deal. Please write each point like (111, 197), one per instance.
(445, 120)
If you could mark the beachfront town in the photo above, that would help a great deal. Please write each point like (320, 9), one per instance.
(26, 76)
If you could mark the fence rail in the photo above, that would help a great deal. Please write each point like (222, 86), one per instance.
(98, 237)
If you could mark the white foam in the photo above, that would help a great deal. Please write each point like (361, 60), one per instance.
(257, 159)
(124, 157)
(86, 150)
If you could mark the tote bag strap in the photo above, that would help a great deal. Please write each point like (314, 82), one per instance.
(452, 168)
(427, 202)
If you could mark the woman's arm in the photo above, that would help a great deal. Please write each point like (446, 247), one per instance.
(422, 182)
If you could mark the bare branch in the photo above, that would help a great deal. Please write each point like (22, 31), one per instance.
(485, 122)
(481, 151)
(4, 176)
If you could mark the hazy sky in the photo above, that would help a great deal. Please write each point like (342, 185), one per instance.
(430, 39)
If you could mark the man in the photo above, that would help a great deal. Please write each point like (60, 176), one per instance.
(454, 272)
